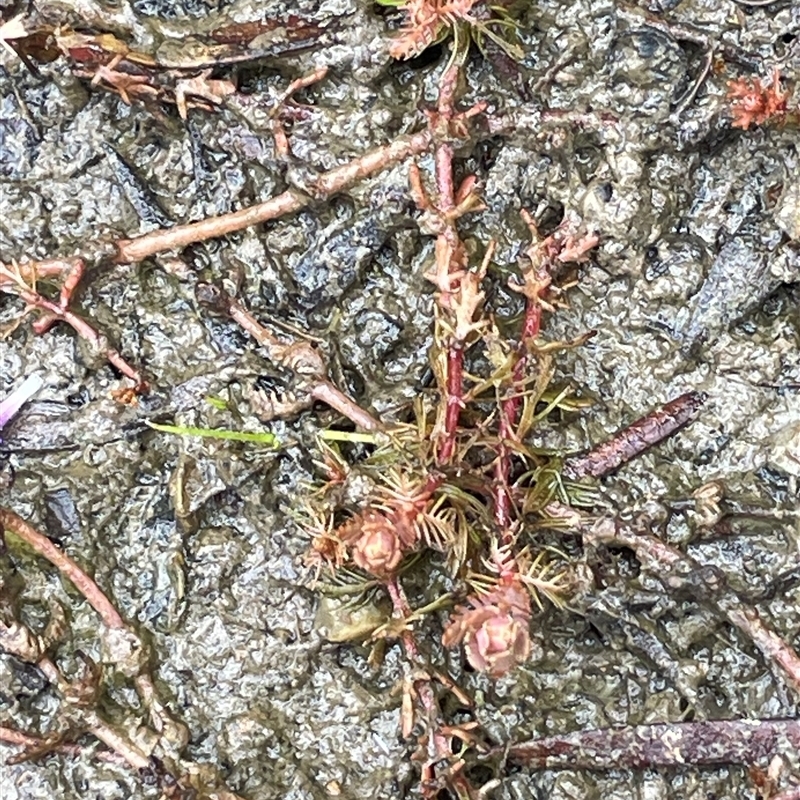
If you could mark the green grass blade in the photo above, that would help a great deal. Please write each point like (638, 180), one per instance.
(264, 437)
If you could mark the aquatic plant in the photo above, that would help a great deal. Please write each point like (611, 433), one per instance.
(428, 22)
(756, 103)
(448, 508)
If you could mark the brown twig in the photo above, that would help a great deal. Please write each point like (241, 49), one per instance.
(681, 573)
(288, 202)
(297, 355)
(123, 642)
(279, 134)
(20, 641)
(94, 595)
(701, 744)
(635, 438)
(19, 280)
(80, 695)
(37, 746)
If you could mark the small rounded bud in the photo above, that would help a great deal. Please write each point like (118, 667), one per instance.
(378, 549)
(500, 643)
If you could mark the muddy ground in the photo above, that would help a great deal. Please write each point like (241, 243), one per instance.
(694, 286)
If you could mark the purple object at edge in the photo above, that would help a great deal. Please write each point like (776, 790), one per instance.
(14, 402)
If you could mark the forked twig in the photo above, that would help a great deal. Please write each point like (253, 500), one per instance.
(681, 573)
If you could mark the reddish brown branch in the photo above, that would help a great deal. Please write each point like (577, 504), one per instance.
(71, 272)
(34, 747)
(30, 272)
(701, 744)
(299, 356)
(10, 521)
(509, 416)
(636, 438)
(458, 296)
(536, 282)
(680, 573)
(288, 202)
(454, 400)
(327, 392)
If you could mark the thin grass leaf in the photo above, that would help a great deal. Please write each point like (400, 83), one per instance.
(350, 436)
(264, 437)
(217, 402)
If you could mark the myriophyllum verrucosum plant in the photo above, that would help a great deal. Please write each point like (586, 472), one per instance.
(428, 22)
(370, 521)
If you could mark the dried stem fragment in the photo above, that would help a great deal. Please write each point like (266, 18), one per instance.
(680, 573)
(701, 744)
(94, 595)
(636, 438)
(298, 356)
(12, 282)
(288, 202)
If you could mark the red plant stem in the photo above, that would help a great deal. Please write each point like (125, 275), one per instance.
(636, 438)
(55, 311)
(449, 243)
(64, 564)
(443, 160)
(327, 392)
(455, 402)
(509, 414)
(439, 744)
(402, 610)
(298, 356)
(30, 272)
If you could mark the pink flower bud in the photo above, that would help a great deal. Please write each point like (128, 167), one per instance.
(378, 549)
(495, 630)
(500, 643)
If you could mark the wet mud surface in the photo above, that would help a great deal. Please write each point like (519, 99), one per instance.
(693, 287)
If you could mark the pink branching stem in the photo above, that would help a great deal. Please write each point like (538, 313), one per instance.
(56, 312)
(455, 402)
(449, 243)
(20, 281)
(30, 272)
(440, 744)
(296, 355)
